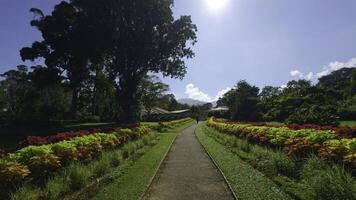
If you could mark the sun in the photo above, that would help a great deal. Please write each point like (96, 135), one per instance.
(216, 5)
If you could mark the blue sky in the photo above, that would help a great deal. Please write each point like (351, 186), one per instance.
(264, 42)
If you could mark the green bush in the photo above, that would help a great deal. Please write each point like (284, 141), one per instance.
(328, 182)
(114, 158)
(26, 193)
(55, 188)
(77, 176)
(101, 166)
(314, 115)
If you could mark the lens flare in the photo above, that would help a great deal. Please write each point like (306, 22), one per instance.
(216, 5)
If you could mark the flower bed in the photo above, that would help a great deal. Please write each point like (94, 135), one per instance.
(327, 144)
(343, 132)
(38, 162)
(38, 140)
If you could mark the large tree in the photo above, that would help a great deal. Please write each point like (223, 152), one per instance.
(143, 38)
(134, 37)
(66, 46)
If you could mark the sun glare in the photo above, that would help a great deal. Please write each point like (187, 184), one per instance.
(216, 5)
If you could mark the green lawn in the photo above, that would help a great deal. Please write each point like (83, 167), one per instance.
(134, 179)
(348, 123)
(247, 182)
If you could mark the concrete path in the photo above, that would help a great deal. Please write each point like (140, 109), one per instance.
(188, 173)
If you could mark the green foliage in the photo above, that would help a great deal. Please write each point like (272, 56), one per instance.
(12, 173)
(55, 188)
(42, 166)
(26, 193)
(101, 166)
(313, 179)
(300, 143)
(77, 177)
(242, 101)
(314, 115)
(151, 89)
(326, 182)
(247, 182)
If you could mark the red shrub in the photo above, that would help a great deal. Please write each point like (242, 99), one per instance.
(300, 147)
(34, 140)
(332, 153)
(346, 132)
(67, 135)
(261, 138)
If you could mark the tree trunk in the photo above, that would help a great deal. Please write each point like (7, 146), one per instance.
(129, 104)
(94, 106)
(74, 107)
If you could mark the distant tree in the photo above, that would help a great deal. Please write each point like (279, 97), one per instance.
(29, 96)
(169, 102)
(206, 106)
(242, 101)
(152, 90)
(195, 112)
(268, 102)
(270, 92)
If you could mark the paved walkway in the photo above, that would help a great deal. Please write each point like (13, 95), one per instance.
(188, 173)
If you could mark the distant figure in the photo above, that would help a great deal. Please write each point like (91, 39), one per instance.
(197, 118)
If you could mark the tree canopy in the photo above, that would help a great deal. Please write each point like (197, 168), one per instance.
(127, 39)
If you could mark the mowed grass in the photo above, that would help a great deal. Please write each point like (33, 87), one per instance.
(133, 179)
(246, 182)
(348, 123)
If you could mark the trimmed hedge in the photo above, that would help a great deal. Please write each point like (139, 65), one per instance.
(39, 162)
(324, 143)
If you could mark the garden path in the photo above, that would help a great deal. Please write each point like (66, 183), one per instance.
(188, 173)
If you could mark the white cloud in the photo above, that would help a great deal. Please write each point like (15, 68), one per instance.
(194, 92)
(332, 66)
(310, 76)
(296, 73)
(336, 65)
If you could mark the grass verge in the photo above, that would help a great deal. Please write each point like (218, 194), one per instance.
(310, 179)
(348, 123)
(132, 180)
(246, 182)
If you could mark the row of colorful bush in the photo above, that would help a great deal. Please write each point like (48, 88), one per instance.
(38, 140)
(343, 132)
(307, 179)
(39, 162)
(324, 143)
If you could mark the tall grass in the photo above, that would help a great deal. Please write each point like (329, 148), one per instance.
(77, 176)
(26, 193)
(328, 182)
(56, 188)
(314, 177)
